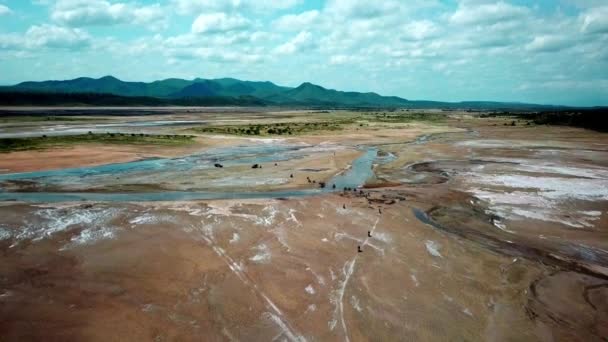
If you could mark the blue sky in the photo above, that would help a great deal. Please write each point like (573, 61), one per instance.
(545, 51)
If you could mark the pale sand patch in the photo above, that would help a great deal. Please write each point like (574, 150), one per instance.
(83, 155)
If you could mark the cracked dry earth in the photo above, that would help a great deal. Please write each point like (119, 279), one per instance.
(483, 240)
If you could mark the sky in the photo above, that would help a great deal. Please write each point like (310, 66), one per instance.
(543, 51)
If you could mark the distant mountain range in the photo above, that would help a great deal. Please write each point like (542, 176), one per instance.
(109, 90)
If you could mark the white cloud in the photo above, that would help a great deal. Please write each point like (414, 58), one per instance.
(79, 13)
(419, 30)
(10, 41)
(353, 26)
(4, 10)
(595, 20)
(46, 36)
(219, 22)
(56, 37)
(549, 43)
(299, 21)
(390, 46)
(303, 41)
(152, 16)
(236, 38)
(349, 9)
(475, 14)
(216, 55)
(197, 6)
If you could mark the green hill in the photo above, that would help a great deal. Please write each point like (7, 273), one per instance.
(222, 91)
(33, 98)
(308, 93)
(267, 92)
(106, 85)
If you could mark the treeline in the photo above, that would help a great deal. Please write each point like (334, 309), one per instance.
(275, 129)
(591, 118)
(595, 119)
(44, 141)
(26, 98)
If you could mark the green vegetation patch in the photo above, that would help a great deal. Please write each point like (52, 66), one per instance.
(401, 117)
(285, 128)
(327, 121)
(590, 118)
(31, 143)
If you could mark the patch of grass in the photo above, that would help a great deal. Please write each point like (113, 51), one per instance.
(403, 117)
(322, 121)
(271, 129)
(32, 143)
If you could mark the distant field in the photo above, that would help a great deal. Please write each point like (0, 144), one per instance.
(22, 144)
(327, 121)
(397, 117)
(286, 128)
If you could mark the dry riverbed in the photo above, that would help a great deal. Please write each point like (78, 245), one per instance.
(469, 231)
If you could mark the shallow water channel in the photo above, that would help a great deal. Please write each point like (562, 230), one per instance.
(356, 175)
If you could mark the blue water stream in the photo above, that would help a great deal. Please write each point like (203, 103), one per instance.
(355, 176)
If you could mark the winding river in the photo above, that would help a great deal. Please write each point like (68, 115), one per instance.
(356, 175)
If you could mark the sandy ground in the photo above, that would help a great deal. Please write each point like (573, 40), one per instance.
(99, 154)
(82, 155)
(258, 270)
(490, 233)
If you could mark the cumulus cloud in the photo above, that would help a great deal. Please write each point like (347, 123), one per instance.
(303, 41)
(419, 30)
(236, 38)
(79, 13)
(198, 6)
(4, 10)
(56, 37)
(474, 14)
(296, 21)
(46, 36)
(362, 8)
(219, 23)
(595, 20)
(399, 46)
(152, 16)
(549, 43)
(10, 41)
(215, 55)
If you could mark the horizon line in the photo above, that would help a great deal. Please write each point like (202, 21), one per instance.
(315, 84)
